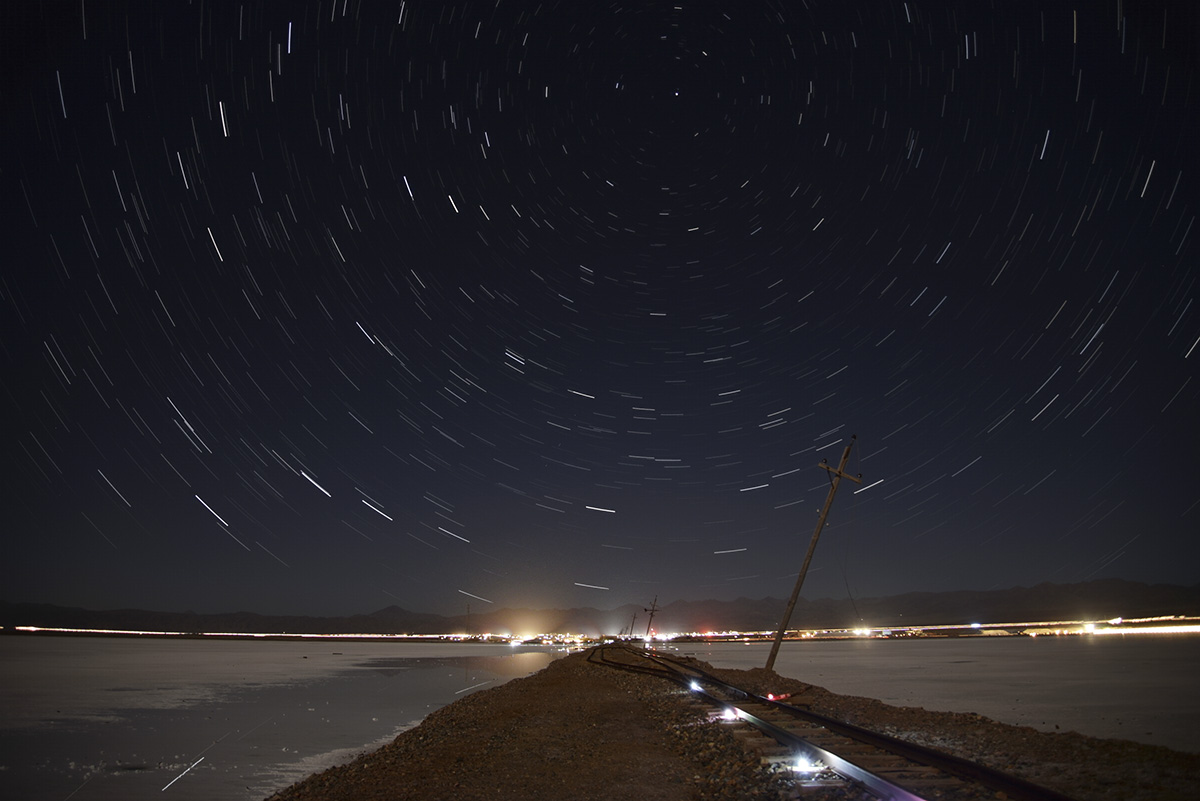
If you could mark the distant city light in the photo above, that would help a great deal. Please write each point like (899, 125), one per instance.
(1163, 624)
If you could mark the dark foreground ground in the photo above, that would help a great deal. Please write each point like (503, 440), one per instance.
(578, 731)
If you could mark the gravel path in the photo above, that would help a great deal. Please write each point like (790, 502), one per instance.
(578, 730)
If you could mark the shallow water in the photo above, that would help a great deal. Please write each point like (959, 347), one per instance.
(1136, 687)
(96, 719)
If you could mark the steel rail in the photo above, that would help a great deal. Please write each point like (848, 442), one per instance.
(1018, 789)
(873, 782)
(1015, 788)
(884, 788)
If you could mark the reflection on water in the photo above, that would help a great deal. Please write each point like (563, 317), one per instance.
(511, 665)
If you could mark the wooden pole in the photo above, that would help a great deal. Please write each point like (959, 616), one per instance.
(838, 475)
(653, 608)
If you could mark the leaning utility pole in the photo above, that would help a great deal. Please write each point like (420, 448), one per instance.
(838, 475)
(652, 609)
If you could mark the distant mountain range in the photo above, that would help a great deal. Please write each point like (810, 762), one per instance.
(1094, 600)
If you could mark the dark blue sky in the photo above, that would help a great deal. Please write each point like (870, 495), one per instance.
(321, 307)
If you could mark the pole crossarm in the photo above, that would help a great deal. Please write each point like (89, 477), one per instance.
(838, 474)
(837, 471)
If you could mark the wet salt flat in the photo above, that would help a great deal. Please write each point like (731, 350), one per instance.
(94, 719)
(1134, 687)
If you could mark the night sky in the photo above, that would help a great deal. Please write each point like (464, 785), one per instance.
(316, 307)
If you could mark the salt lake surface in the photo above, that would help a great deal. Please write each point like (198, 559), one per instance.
(1132, 687)
(96, 719)
(99, 719)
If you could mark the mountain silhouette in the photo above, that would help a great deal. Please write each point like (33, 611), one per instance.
(1095, 600)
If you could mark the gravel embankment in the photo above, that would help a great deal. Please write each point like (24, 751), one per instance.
(579, 731)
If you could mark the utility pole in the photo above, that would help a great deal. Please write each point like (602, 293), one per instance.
(652, 609)
(838, 474)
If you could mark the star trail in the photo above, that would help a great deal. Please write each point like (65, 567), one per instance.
(318, 307)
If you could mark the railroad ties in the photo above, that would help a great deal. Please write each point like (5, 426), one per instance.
(824, 752)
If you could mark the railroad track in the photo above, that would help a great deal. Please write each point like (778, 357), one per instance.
(822, 751)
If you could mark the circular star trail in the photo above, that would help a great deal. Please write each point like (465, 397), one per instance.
(320, 307)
